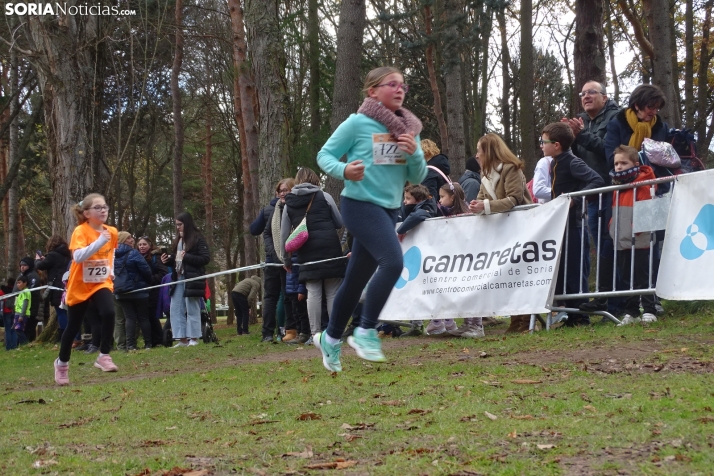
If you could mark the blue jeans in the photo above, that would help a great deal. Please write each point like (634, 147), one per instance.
(375, 248)
(61, 317)
(185, 314)
(10, 333)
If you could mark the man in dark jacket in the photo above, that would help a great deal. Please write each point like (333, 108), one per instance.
(470, 181)
(273, 276)
(571, 174)
(27, 269)
(589, 129)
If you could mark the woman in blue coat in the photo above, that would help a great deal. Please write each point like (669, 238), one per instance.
(130, 267)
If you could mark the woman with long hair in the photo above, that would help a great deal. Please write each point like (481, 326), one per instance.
(189, 257)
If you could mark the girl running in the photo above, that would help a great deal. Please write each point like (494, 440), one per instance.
(382, 146)
(90, 282)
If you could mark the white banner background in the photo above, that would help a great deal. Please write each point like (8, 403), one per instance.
(686, 270)
(436, 285)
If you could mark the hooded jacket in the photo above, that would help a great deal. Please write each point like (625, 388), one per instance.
(56, 263)
(589, 144)
(470, 181)
(323, 221)
(570, 174)
(412, 215)
(434, 180)
(619, 133)
(624, 212)
(129, 262)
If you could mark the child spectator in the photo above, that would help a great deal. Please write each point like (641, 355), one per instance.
(23, 302)
(244, 295)
(542, 180)
(570, 174)
(7, 316)
(297, 323)
(629, 170)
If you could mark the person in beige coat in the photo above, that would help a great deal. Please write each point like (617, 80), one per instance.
(244, 295)
(503, 186)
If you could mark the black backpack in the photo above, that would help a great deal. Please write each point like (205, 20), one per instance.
(686, 146)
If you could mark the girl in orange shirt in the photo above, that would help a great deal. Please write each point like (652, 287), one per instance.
(90, 282)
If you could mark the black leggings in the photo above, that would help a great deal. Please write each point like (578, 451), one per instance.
(103, 301)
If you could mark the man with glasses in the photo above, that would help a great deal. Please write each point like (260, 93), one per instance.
(589, 129)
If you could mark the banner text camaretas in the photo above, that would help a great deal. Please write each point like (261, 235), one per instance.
(473, 265)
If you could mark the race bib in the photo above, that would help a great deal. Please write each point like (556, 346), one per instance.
(385, 150)
(95, 271)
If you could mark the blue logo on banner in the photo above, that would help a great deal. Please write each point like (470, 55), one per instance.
(700, 234)
(412, 263)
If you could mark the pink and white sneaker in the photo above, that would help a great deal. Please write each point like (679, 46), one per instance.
(61, 373)
(105, 363)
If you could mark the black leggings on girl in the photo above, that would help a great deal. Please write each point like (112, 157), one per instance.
(375, 246)
(100, 306)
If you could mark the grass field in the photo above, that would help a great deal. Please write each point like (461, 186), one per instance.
(598, 401)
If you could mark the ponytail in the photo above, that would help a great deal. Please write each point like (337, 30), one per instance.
(79, 208)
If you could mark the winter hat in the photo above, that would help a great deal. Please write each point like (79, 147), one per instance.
(472, 165)
(27, 261)
(123, 235)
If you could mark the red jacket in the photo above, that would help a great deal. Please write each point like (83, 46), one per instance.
(623, 241)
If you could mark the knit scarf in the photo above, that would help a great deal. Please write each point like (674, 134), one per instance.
(275, 228)
(399, 122)
(625, 176)
(640, 129)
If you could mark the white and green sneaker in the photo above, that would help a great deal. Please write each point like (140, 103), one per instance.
(367, 344)
(330, 353)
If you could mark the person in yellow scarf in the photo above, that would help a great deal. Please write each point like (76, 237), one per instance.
(640, 119)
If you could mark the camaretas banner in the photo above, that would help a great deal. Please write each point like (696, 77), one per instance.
(480, 265)
(687, 264)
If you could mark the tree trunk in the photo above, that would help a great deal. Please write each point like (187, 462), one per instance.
(67, 56)
(505, 78)
(348, 73)
(481, 101)
(438, 109)
(13, 223)
(244, 106)
(689, 107)
(589, 48)
(663, 74)
(611, 51)
(705, 56)
(208, 202)
(268, 61)
(313, 31)
(178, 118)
(454, 89)
(528, 134)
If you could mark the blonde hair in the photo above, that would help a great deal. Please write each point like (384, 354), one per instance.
(308, 175)
(495, 151)
(288, 182)
(376, 76)
(430, 149)
(79, 208)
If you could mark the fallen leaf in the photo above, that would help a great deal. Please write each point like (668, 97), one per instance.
(483, 355)
(358, 426)
(684, 349)
(332, 465)
(304, 454)
(43, 463)
(465, 351)
(309, 416)
(522, 417)
(526, 381)
(262, 422)
(545, 447)
(200, 472)
(585, 397)
(40, 401)
(513, 434)
(418, 411)
(150, 443)
(491, 416)
(392, 403)
(590, 408)
(351, 437)
(79, 422)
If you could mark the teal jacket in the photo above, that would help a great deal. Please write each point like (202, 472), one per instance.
(382, 185)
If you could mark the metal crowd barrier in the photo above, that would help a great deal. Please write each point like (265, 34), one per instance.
(647, 216)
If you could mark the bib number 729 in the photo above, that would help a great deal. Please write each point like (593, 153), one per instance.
(95, 271)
